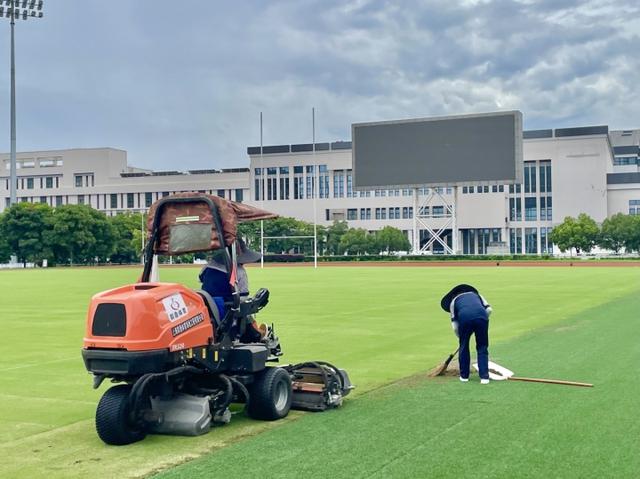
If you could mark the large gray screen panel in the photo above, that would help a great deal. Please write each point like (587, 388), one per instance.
(467, 149)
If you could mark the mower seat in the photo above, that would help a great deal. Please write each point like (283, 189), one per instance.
(211, 306)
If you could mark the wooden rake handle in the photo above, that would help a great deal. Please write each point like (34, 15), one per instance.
(551, 381)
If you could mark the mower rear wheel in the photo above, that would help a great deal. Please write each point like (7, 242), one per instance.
(270, 395)
(112, 418)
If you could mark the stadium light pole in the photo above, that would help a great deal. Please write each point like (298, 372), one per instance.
(16, 9)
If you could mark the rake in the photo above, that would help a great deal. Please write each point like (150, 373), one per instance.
(439, 371)
(500, 373)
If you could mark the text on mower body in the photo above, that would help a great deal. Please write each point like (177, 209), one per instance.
(188, 324)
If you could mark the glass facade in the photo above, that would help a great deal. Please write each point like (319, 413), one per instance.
(531, 240)
(530, 209)
(515, 240)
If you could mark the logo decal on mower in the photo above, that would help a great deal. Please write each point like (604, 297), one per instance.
(187, 325)
(175, 307)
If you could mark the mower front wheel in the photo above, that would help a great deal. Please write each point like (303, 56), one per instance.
(112, 418)
(270, 395)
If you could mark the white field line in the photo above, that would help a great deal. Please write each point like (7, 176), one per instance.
(40, 363)
(49, 399)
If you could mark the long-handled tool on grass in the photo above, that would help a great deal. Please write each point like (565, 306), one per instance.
(500, 373)
(443, 367)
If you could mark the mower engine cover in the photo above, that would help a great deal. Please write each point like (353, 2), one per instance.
(136, 326)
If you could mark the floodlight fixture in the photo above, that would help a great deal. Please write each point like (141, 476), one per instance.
(16, 9)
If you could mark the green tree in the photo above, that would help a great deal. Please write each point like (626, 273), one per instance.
(357, 241)
(581, 233)
(616, 232)
(127, 230)
(5, 251)
(632, 242)
(25, 228)
(334, 234)
(103, 232)
(392, 239)
(80, 234)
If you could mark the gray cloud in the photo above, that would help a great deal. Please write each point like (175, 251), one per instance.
(181, 85)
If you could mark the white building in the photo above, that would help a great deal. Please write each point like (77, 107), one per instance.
(101, 177)
(566, 172)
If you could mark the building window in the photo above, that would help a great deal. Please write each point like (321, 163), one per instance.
(338, 184)
(58, 200)
(220, 193)
(438, 211)
(405, 212)
(494, 188)
(352, 214)
(284, 187)
(49, 182)
(625, 160)
(531, 240)
(81, 199)
(545, 176)
(545, 208)
(350, 184)
(381, 213)
(258, 171)
(323, 185)
(284, 170)
(394, 213)
(129, 200)
(515, 240)
(298, 170)
(148, 199)
(310, 186)
(634, 207)
(529, 177)
(515, 209)
(113, 198)
(298, 187)
(78, 179)
(501, 188)
(239, 195)
(29, 183)
(530, 209)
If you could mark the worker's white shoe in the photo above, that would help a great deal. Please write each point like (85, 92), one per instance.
(484, 381)
(464, 380)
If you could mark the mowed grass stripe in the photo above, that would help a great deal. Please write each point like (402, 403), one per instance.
(443, 428)
(379, 323)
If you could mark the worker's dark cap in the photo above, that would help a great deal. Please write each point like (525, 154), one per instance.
(445, 302)
(245, 255)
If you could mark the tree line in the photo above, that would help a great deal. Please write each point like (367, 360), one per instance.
(79, 234)
(337, 239)
(69, 234)
(618, 232)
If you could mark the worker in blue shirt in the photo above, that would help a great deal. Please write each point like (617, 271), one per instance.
(470, 315)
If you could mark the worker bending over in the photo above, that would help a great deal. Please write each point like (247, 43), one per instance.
(470, 315)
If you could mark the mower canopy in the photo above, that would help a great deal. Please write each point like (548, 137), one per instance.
(192, 222)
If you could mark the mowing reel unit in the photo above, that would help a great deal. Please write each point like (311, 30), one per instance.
(318, 385)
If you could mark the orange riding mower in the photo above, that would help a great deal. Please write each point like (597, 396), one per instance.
(180, 358)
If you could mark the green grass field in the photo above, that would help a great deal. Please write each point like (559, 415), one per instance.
(382, 324)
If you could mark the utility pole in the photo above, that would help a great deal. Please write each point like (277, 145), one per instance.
(16, 9)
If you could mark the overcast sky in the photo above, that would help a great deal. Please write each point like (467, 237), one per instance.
(181, 84)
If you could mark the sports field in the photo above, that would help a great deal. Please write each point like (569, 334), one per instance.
(382, 325)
